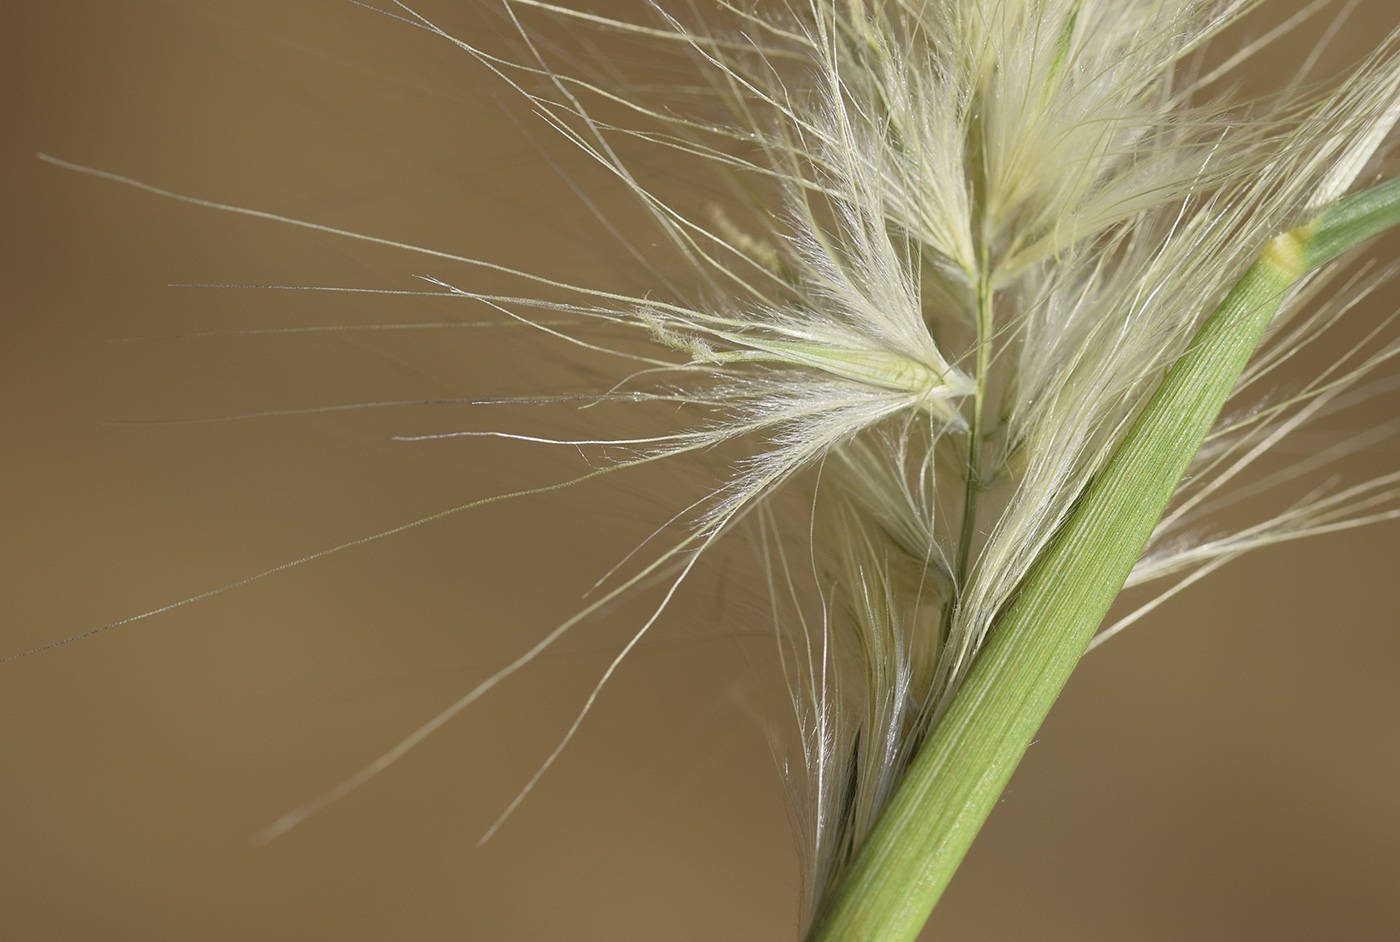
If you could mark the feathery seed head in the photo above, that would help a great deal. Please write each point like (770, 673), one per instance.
(1043, 185)
(985, 228)
(957, 244)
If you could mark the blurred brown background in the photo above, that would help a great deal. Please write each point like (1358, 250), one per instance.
(1226, 770)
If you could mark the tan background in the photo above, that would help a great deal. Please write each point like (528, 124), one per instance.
(1228, 770)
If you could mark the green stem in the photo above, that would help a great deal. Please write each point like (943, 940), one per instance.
(975, 432)
(961, 769)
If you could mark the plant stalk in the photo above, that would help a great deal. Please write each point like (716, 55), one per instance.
(976, 436)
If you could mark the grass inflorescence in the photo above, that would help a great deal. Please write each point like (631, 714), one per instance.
(969, 283)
